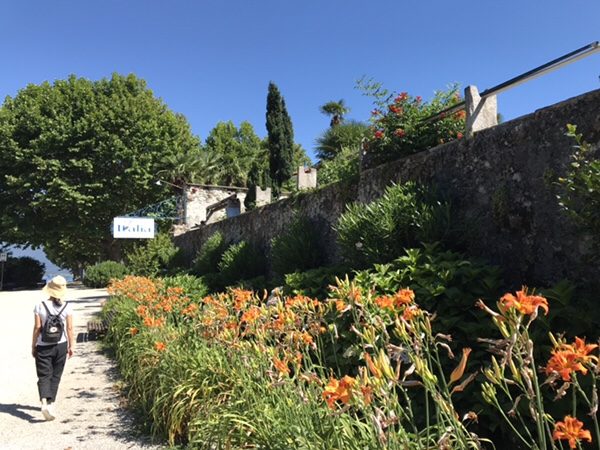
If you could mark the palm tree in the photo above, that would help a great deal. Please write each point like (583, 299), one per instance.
(196, 166)
(336, 110)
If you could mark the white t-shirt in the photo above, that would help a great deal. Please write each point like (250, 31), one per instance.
(54, 309)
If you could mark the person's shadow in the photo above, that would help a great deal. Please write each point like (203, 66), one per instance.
(20, 412)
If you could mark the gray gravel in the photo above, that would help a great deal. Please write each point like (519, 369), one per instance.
(89, 411)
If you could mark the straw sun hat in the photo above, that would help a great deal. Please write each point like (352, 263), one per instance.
(56, 287)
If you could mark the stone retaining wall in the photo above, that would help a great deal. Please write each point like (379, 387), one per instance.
(500, 183)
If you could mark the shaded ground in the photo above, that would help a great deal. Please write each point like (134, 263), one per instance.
(89, 415)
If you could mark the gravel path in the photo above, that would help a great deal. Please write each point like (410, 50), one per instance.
(89, 415)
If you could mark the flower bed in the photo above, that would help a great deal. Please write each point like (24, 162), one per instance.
(232, 370)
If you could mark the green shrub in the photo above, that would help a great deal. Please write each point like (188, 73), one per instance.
(192, 286)
(158, 256)
(23, 272)
(444, 283)
(344, 166)
(209, 255)
(297, 248)
(241, 261)
(100, 274)
(407, 215)
(258, 284)
(313, 283)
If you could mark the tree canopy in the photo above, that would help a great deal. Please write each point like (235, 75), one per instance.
(334, 139)
(76, 153)
(280, 139)
(237, 151)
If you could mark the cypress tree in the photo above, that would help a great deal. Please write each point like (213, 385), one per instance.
(281, 139)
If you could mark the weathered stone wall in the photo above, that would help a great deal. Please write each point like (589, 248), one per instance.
(199, 197)
(500, 183)
(261, 225)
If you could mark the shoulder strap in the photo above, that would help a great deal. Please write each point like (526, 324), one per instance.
(63, 308)
(59, 313)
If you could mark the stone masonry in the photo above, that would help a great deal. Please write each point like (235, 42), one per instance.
(501, 184)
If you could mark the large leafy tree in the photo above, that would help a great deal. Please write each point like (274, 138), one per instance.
(76, 153)
(280, 139)
(237, 150)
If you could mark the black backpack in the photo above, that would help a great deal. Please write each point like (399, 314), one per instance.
(53, 328)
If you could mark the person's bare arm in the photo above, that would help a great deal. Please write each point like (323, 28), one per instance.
(70, 336)
(37, 329)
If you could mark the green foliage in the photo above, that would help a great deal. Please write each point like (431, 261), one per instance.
(397, 123)
(335, 139)
(197, 165)
(445, 283)
(580, 195)
(157, 256)
(241, 261)
(344, 166)
(237, 150)
(258, 284)
(100, 274)
(209, 255)
(405, 216)
(296, 248)
(192, 286)
(280, 139)
(573, 312)
(314, 283)
(23, 272)
(77, 153)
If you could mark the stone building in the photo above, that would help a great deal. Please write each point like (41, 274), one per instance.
(205, 204)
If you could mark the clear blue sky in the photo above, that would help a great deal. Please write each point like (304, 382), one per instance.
(212, 60)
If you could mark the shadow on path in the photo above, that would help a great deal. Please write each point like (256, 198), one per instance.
(19, 411)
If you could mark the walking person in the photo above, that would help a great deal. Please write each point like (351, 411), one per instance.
(52, 342)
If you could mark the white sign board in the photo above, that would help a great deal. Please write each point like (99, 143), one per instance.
(133, 228)
(3, 256)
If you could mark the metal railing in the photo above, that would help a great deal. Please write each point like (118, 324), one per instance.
(557, 63)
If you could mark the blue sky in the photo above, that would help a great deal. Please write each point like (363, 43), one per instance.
(213, 59)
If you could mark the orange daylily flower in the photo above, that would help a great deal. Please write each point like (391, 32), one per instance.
(460, 369)
(340, 306)
(150, 321)
(281, 365)
(240, 298)
(251, 315)
(570, 358)
(160, 346)
(399, 299)
(385, 302)
(582, 350)
(404, 297)
(190, 310)
(525, 304)
(338, 390)
(571, 429)
(133, 331)
(410, 312)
